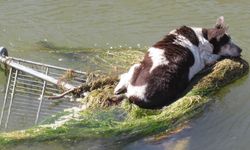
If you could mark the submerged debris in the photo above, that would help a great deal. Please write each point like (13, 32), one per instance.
(100, 89)
(113, 61)
(97, 90)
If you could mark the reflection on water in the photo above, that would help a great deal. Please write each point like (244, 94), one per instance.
(111, 23)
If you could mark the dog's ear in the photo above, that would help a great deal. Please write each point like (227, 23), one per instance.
(219, 29)
(220, 23)
(216, 33)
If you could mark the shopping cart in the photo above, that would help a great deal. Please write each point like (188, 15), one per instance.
(29, 85)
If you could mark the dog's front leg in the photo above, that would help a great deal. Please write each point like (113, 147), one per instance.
(125, 79)
(122, 85)
(211, 59)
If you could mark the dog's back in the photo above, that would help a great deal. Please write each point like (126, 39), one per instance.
(163, 72)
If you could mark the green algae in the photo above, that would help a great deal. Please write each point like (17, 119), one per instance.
(115, 60)
(126, 122)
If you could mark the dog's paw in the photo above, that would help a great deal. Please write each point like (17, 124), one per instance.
(119, 90)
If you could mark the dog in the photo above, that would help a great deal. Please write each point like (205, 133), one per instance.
(170, 64)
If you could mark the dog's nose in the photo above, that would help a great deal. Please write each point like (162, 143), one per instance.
(240, 50)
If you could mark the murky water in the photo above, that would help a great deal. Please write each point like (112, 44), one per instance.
(135, 23)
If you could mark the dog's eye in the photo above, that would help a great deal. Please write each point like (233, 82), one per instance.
(224, 39)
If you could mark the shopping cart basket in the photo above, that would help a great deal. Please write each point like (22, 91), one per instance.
(29, 85)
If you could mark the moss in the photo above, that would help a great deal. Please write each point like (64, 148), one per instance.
(221, 74)
(55, 117)
(99, 97)
(96, 81)
(126, 122)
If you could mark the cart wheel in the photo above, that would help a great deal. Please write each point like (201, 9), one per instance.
(3, 51)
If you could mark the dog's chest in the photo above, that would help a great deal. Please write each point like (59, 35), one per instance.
(198, 63)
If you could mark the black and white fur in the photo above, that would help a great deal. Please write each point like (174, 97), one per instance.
(171, 63)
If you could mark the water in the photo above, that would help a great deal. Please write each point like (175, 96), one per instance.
(132, 23)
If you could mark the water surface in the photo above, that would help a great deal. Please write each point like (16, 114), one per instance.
(134, 23)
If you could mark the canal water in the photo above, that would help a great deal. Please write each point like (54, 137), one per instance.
(87, 24)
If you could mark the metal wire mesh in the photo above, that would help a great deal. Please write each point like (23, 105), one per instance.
(25, 103)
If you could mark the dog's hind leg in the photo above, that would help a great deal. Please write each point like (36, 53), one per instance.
(125, 79)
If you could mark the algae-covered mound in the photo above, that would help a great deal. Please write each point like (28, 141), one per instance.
(126, 122)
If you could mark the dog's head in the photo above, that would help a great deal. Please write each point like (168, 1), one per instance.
(221, 40)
